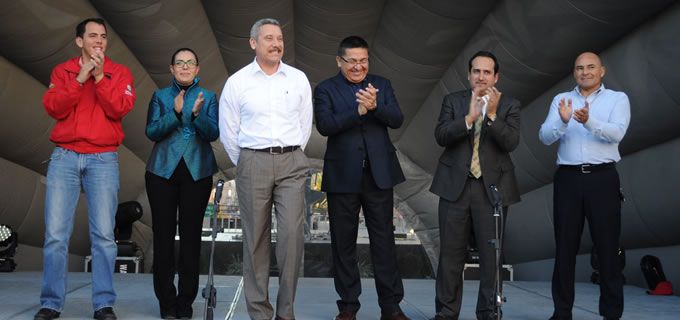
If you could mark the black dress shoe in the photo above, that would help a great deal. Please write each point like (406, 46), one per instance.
(398, 315)
(105, 313)
(439, 316)
(168, 313)
(346, 315)
(488, 316)
(46, 314)
(185, 312)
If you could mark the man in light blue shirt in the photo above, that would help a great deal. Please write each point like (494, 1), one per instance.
(589, 122)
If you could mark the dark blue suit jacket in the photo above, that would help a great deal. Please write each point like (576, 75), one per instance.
(337, 117)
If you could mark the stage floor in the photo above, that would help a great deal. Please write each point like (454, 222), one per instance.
(19, 299)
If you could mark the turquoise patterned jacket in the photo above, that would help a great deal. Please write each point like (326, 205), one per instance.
(188, 138)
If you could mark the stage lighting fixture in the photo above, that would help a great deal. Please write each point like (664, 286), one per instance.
(127, 214)
(8, 245)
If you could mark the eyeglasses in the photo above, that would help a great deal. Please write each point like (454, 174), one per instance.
(355, 62)
(189, 63)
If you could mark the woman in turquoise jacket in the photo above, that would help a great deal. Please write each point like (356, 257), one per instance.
(182, 121)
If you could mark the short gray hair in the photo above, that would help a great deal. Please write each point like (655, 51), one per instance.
(255, 30)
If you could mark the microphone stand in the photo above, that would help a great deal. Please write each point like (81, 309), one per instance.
(209, 292)
(497, 243)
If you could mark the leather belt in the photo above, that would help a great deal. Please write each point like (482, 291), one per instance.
(277, 150)
(471, 176)
(588, 167)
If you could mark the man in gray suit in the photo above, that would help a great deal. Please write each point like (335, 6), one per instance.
(478, 128)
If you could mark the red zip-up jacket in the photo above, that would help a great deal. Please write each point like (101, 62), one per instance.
(89, 115)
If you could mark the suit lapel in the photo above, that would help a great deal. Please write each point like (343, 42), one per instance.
(344, 90)
(498, 113)
(464, 111)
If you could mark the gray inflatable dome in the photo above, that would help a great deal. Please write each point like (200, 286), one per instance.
(422, 46)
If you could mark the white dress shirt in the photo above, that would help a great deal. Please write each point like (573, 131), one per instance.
(260, 111)
(596, 141)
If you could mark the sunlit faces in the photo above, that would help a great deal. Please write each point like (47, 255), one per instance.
(588, 71)
(354, 64)
(94, 40)
(482, 76)
(269, 44)
(185, 68)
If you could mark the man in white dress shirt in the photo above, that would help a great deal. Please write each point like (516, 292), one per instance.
(265, 122)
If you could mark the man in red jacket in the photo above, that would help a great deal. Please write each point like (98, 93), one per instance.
(88, 96)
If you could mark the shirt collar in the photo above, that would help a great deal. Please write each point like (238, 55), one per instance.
(255, 68)
(598, 91)
(178, 86)
(352, 84)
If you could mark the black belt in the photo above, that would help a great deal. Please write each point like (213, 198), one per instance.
(277, 150)
(471, 176)
(588, 167)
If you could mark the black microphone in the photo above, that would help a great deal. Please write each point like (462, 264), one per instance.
(218, 190)
(496, 198)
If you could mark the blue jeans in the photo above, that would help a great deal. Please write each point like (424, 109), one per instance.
(97, 173)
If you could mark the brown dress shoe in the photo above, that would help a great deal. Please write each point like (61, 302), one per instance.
(346, 315)
(395, 316)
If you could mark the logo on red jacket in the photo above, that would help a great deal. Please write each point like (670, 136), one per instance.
(128, 90)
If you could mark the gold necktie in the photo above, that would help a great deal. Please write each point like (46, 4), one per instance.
(475, 168)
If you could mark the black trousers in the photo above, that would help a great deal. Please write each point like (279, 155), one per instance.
(343, 210)
(593, 196)
(472, 211)
(166, 196)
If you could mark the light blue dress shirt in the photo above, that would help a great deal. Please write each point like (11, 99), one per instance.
(596, 141)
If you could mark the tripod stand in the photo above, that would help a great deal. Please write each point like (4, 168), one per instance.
(497, 242)
(209, 293)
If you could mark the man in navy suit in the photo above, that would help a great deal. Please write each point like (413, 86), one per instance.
(354, 109)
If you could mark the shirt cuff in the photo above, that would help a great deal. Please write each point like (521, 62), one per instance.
(590, 124)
